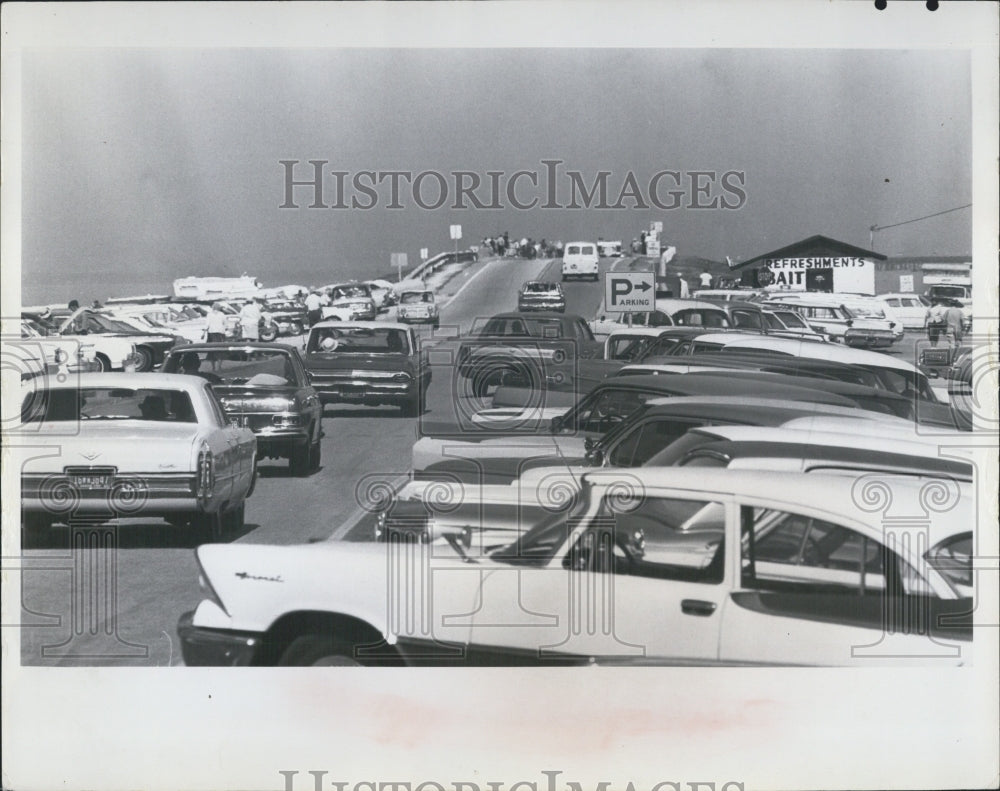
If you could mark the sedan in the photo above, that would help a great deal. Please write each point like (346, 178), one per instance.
(263, 387)
(135, 445)
(677, 567)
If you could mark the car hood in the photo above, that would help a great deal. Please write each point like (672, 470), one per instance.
(124, 444)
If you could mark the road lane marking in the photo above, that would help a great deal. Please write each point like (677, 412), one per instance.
(359, 513)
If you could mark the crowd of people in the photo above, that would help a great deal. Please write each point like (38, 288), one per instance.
(525, 247)
(946, 319)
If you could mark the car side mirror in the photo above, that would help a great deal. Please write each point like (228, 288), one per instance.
(556, 425)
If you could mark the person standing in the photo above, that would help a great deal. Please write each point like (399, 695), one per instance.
(314, 308)
(935, 322)
(215, 328)
(250, 320)
(706, 279)
(685, 292)
(954, 320)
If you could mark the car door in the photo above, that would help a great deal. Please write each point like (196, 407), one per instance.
(234, 452)
(645, 577)
(815, 590)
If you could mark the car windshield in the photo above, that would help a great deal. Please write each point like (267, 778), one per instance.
(539, 288)
(349, 292)
(94, 322)
(791, 319)
(108, 403)
(416, 297)
(524, 326)
(539, 544)
(952, 558)
(358, 340)
(236, 366)
(954, 292)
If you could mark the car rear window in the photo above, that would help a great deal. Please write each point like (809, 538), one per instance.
(108, 403)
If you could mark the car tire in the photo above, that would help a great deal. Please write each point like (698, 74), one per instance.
(310, 650)
(269, 332)
(145, 356)
(295, 328)
(414, 407)
(315, 456)
(298, 461)
(234, 519)
(210, 526)
(103, 362)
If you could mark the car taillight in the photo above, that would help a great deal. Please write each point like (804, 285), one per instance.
(206, 473)
(288, 420)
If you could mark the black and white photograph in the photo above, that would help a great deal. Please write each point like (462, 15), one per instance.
(489, 396)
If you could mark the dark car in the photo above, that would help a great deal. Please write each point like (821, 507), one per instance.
(536, 349)
(263, 387)
(287, 316)
(370, 363)
(539, 295)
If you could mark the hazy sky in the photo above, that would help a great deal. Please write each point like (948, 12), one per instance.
(145, 165)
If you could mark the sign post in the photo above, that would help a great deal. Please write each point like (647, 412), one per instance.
(629, 292)
(398, 261)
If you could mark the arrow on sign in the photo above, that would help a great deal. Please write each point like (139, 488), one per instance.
(643, 286)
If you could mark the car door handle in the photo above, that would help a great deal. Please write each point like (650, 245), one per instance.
(697, 607)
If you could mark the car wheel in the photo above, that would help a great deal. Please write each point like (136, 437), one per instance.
(234, 519)
(103, 362)
(269, 332)
(295, 328)
(315, 456)
(145, 356)
(415, 405)
(211, 527)
(313, 650)
(298, 462)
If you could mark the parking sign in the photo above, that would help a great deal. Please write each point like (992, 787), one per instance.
(629, 292)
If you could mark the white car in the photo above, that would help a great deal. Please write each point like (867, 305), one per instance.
(840, 323)
(111, 353)
(37, 354)
(418, 307)
(668, 312)
(354, 298)
(649, 566)
(911, 309)
(580, 259)
(126, 445)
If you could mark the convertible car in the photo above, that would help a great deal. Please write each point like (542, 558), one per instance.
(128, 445)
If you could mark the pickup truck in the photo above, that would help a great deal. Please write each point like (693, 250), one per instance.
(536, 349)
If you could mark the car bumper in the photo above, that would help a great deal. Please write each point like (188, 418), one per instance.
(418, 318)
(365, 393)
(550, 305)
(215, 647)
(56, 494)
(869, 338)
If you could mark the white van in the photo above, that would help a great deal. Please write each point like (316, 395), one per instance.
(580, 259)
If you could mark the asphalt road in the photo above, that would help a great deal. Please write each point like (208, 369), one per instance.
(111, 595)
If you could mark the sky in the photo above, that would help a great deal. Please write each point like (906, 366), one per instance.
(140, 166)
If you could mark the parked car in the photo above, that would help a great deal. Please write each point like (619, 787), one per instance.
(150, 347)
(355, 298)
(786, 323)
(38, 354)
(263, 387)
(383, 294)
(285, 317)
(910, 309)
(682, 566)
(418, 307)
(369, 363)
(840, 323)
(539, 295)
(895, 375)
(146, 444)
(726, 294)
(580, 259)
(669, 312)
(111, 353)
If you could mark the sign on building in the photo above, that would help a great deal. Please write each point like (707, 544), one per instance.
(906, 283)
(629, 292)
(846, 274)
(456, 231)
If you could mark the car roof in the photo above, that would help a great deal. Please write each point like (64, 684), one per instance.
(548, 283)
(816, 351)
(653, 332)
(534, 314)
(847, 495)
(703, 384)
(366, 325)
(218, 345)
(673, 304)
(150, 380)
(759, 411)
(879, 441)
(594, 244)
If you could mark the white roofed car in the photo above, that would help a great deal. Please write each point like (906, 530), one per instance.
(418, 307)
(693, 567)
(134, 445)
(580, 259)
(897, 376)
(908, 308)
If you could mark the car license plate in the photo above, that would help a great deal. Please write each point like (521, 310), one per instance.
(92, 478)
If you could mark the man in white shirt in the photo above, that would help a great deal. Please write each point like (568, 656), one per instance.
(250, 320)
(215, 328)
(314, 306)
(706, 279)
